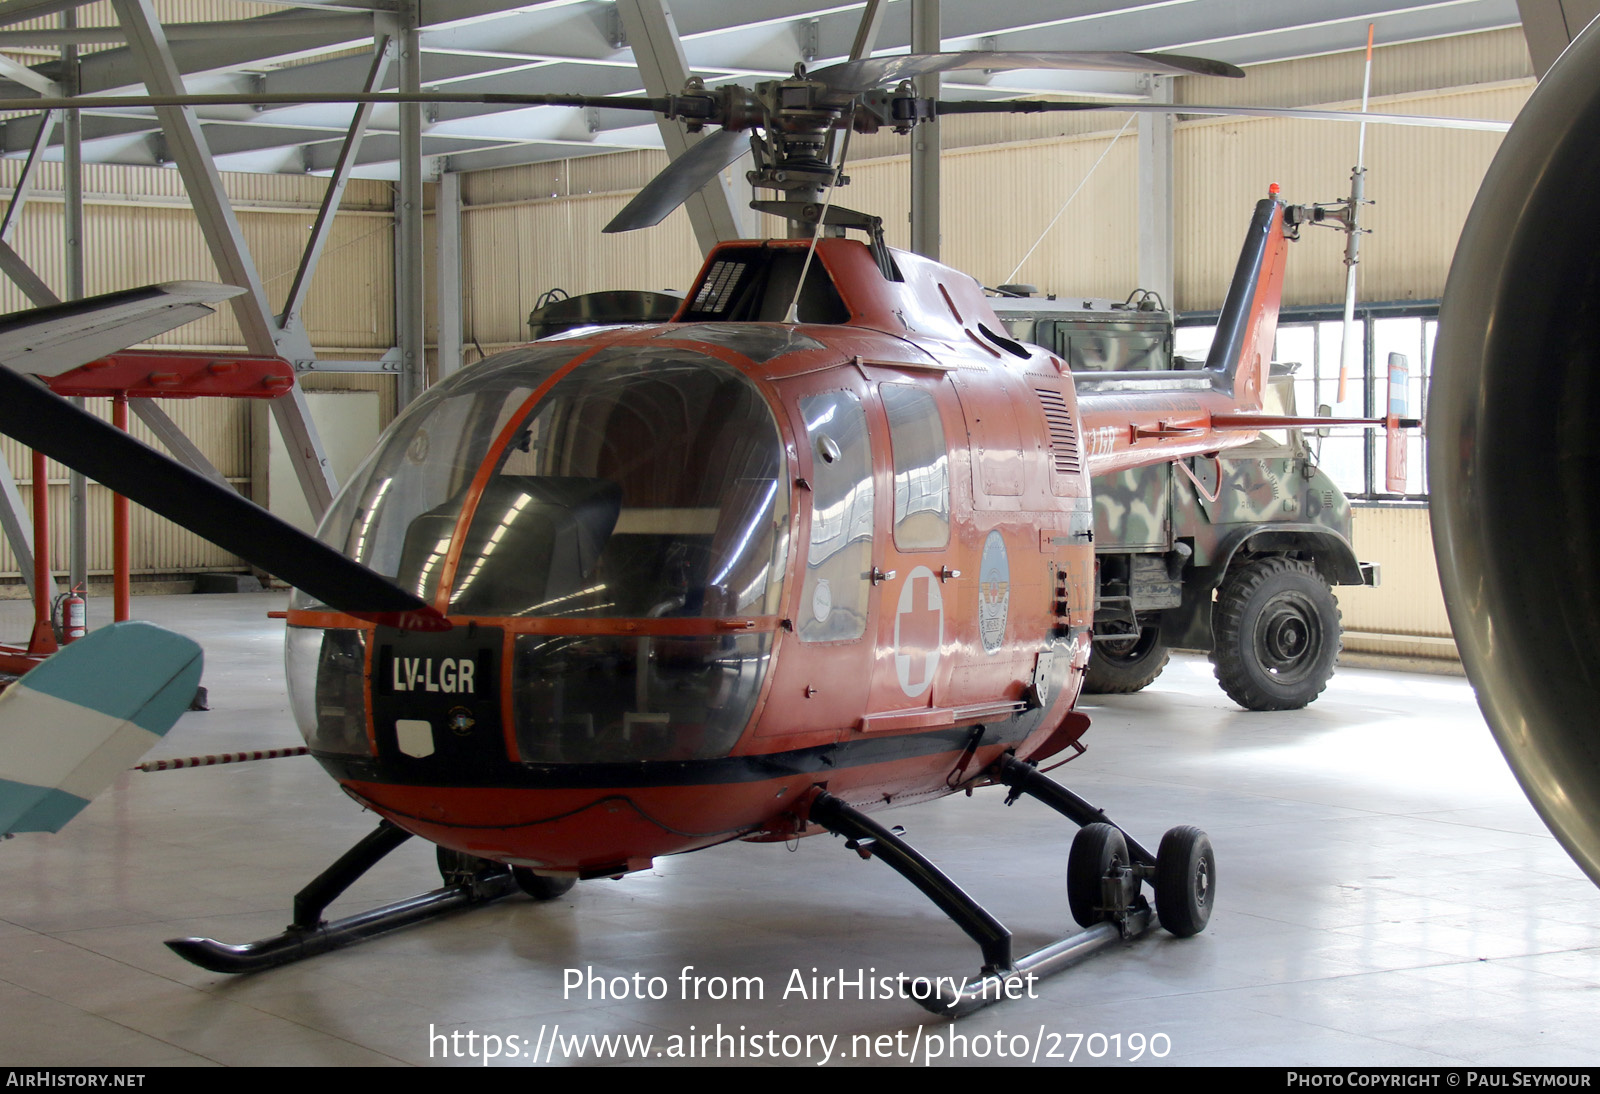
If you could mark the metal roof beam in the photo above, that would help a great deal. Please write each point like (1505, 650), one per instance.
(160, 74)
(654, 39)
(24, 184)
(15, 11)
(21, 74)
(382, 53)
(22, 275)
(260, 43)
(182, 133)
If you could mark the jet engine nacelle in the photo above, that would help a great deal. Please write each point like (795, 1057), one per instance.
(1514, 449)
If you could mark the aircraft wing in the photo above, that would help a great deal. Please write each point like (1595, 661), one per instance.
(55, 339)
(71, 726)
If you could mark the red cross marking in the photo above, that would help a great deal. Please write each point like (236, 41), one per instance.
(919, 629)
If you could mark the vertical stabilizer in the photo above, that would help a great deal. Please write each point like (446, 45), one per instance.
(1242, 351)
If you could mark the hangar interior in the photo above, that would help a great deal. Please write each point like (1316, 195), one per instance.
(1387, 895)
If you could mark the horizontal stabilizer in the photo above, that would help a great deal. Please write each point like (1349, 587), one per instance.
(1252, 420)
(51, 340)
(72, 725)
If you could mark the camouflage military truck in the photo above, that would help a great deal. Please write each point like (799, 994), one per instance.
(1233, 556)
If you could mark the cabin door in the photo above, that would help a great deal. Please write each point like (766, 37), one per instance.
(823, 670)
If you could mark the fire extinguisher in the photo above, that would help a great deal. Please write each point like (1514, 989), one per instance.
(70, 616)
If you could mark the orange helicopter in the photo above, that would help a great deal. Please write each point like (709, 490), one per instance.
(819, 546)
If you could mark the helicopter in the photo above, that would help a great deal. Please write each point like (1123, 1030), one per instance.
(819, 546)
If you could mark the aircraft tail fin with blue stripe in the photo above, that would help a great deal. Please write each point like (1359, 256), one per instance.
(71, 726)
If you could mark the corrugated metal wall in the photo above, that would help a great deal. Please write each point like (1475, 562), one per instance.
(1422, 182)
(526, 230)
(1404, 615)
(102, 14)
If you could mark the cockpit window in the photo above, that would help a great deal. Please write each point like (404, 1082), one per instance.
(429, 456)
(648, 483)
(645, 483)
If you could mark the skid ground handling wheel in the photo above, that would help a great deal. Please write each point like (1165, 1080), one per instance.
(1106, 872)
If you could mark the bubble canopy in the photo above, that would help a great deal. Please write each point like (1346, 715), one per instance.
(596, 516)
(640, 482)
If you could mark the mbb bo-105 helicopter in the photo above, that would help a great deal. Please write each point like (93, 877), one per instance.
(819, 546)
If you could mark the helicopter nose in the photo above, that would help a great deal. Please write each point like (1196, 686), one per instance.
(603, 699)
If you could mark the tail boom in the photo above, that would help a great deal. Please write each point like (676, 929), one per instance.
(1135, 419)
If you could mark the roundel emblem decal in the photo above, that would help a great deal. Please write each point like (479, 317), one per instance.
(994, 592)
(918, 631)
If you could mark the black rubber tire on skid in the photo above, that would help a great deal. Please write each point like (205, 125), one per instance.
(1186, 881)
(1095, 850)
(1275, 632)
(1122, 668)
(540, 887)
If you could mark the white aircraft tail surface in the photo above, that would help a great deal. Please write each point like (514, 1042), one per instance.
(71, 726)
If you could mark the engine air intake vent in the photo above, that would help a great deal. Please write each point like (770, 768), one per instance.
(716, 290)
(1063, 433)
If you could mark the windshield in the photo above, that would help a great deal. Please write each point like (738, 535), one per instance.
(643, 483)
(429, 455)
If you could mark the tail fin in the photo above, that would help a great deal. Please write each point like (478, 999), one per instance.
(72, 725)
(1241, 353)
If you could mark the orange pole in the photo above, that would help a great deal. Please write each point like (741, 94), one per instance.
(43, 639)
(121, 555)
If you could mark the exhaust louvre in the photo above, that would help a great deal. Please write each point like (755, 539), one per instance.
(1063, 433)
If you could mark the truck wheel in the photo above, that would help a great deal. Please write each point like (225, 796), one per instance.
(1121, 667)
(1276, 634)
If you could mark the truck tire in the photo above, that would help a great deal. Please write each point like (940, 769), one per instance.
(1276, 633)
(1122, 668)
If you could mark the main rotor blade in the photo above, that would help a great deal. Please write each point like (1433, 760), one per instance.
(44, 421)
(307, 98)
(680, 180)
(874, 72)
(1037, 106)
(58, 338)
(54, 339)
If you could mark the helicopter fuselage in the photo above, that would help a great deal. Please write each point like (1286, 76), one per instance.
(697, 572)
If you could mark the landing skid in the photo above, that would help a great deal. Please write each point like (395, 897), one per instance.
(1104, 877)
(470, 883)
(1104, 874)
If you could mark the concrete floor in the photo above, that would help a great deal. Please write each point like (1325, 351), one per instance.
(1386, 896)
